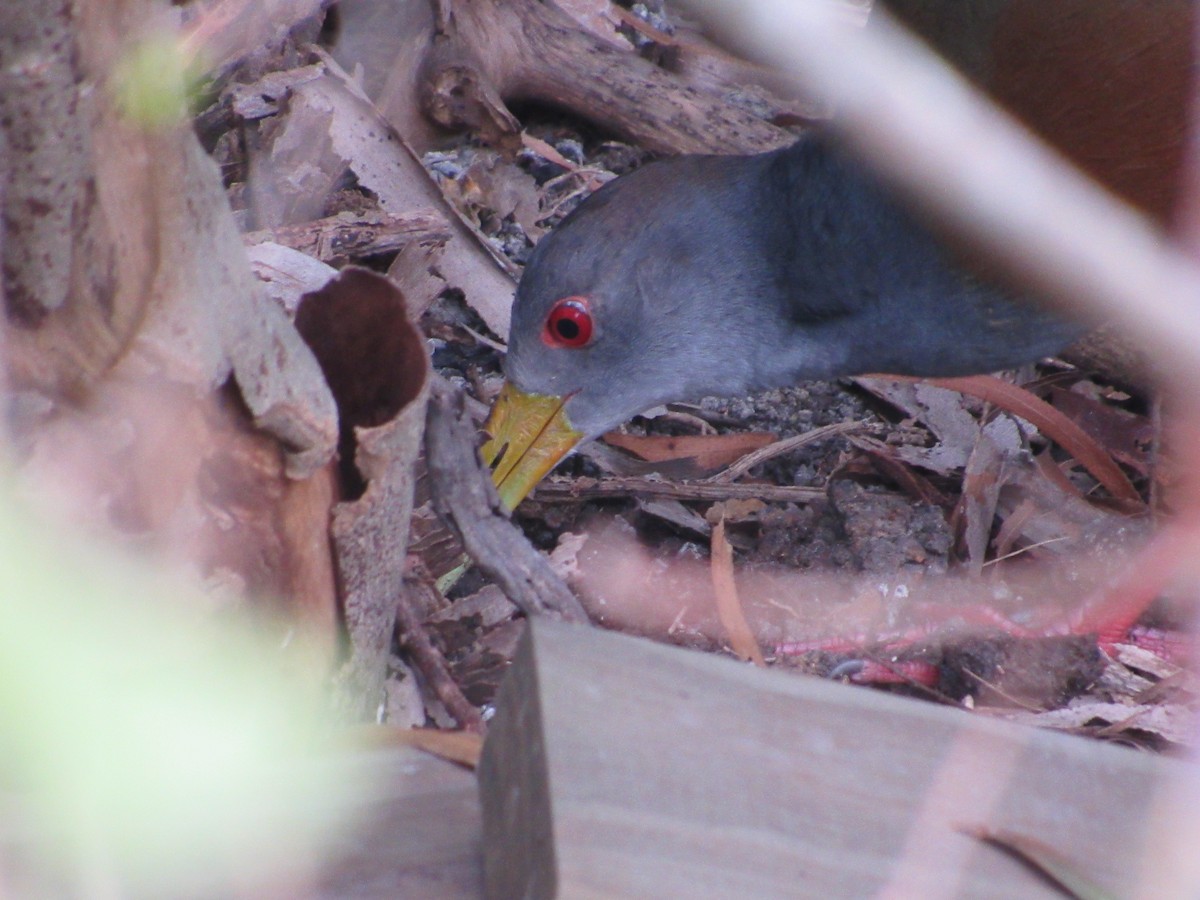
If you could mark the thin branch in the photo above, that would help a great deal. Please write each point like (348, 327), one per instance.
(557, 491)
(428, 659)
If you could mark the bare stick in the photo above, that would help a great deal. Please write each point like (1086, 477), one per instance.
(429, 659)
(592, 488)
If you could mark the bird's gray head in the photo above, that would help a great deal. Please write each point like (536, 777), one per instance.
(615, 308)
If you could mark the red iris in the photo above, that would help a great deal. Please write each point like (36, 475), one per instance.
(569, 323)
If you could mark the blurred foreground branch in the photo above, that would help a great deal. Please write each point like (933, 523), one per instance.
(937, 138)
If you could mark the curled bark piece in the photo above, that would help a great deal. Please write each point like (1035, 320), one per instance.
(376, 365)
(466, 501)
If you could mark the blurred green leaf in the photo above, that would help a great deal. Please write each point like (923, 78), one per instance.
(133, 722)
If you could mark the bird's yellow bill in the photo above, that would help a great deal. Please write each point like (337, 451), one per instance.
(528, 434)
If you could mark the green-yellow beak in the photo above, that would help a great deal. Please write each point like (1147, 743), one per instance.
(529, 434)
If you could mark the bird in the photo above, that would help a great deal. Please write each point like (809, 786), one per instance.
(704, 275)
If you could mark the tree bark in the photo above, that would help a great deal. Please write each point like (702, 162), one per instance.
(157, 394)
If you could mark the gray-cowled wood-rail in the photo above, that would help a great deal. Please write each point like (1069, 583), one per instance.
(719, 275)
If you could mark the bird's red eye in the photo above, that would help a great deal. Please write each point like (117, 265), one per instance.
(569, 323)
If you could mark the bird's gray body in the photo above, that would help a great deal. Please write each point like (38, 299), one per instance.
(710, 275)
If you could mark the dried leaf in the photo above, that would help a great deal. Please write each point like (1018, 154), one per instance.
(675, 513)
(938, 409)
(729, 606)
(504, 189)
(709, 451)
(1170, 721)
(734, 510)
(986, 472)
(1053, 424)
(462, 747)
(1127, 436)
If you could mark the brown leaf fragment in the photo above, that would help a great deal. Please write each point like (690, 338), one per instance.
(462, 747)
(1128, 437)
(729, 606)
(1139, 658)
(1172, 722)
(734, 510)
(494, 186)
(675, 513)
(546, 151)
(938, 409)
(709, 451)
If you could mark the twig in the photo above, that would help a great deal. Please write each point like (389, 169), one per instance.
(466, 501)
(349, 236)
(428, 659)
(555, 491)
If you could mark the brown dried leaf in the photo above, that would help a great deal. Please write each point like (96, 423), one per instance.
(675, 513)
(1126, 436)
(734, 511)
(462, 747)
(504, 189)
(729, 606)
(1171, 721)
(938, 409)
(987, 470)
(710, 451)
